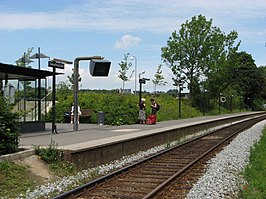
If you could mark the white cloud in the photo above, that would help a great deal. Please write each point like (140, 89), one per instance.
(138, 15)
(127, 41)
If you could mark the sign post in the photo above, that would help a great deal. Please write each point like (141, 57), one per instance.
(55, 63)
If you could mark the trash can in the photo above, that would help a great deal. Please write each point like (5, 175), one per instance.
(101, 118)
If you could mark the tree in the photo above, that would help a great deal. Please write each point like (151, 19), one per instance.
(245, 77)
(63, 89)
(158, 78)
(24, 61)
(71, 78)
(9, 129)
(124, 67)
(197, 49)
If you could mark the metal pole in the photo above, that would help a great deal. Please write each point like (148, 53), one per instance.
(135, 75)
(231, 101)
(140, 88)
(39, 85)
(24, 84)
(179, 103)
(45, 100)
(53, 104)
(203, 104)
(219, 101)
(76, 88)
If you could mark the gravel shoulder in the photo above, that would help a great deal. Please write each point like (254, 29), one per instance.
(222, 178)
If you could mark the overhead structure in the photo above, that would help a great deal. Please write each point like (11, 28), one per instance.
(98, 67)
(12, 72)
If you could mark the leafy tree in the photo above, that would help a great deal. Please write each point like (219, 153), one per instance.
(158, 78)
(124, 67)
(217, 74)
(246, 78)
(196, 50)
(262, 72)
(25, 61)
(63, 90)
(71, 79)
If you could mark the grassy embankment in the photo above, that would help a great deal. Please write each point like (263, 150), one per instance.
(255, 173)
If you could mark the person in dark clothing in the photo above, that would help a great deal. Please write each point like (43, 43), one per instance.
(153, 107)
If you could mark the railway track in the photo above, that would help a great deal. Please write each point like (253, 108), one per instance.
(169, 174)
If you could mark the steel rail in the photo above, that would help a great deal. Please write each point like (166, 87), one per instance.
(77, 191)
(170, 179)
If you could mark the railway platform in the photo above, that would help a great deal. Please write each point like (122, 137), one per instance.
(93, 132)
(98, 144)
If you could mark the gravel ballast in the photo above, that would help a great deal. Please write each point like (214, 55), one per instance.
(222, 178)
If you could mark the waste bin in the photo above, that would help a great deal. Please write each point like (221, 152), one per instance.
(101, 118)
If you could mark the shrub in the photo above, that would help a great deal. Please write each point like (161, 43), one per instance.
(9, 129)
(121, 109)
(48, 154)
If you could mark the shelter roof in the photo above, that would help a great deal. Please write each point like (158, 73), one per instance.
(12, 72)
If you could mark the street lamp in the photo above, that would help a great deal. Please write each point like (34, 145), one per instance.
(231, 103)
(141, 81)
(141, 73)
(135, 58)
(179, 82)
(204, 99)
(180, 96)
(220, 95)
(23, 61)
(98, 67)
(38, 56)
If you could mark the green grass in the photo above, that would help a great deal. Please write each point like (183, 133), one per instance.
(16, 179)
(255, 173)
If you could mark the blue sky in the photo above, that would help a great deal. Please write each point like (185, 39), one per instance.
(67, 29)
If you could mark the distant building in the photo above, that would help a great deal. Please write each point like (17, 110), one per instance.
(127, 90)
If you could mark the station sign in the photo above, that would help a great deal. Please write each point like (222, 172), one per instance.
(55, 64)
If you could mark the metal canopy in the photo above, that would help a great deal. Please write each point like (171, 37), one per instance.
(37, 56)
(8, 71)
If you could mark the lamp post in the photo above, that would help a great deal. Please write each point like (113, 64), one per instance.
(240, 103)
(204, 99)
(23, 61)
(180, 96)
(231, 103)
(141, 81)
(98, 67)
(135, 58)
(38, 56)
(220, 95)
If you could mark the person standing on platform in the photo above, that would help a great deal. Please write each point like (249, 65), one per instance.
(72, 114)
(153, 106)
(142, 111)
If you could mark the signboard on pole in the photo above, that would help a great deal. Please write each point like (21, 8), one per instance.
(55, 64)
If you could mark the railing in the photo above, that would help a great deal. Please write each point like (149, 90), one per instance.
(30, 107)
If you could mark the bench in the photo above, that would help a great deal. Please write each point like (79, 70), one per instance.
(85, 117)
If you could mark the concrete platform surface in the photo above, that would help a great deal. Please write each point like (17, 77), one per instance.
(94, 134)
